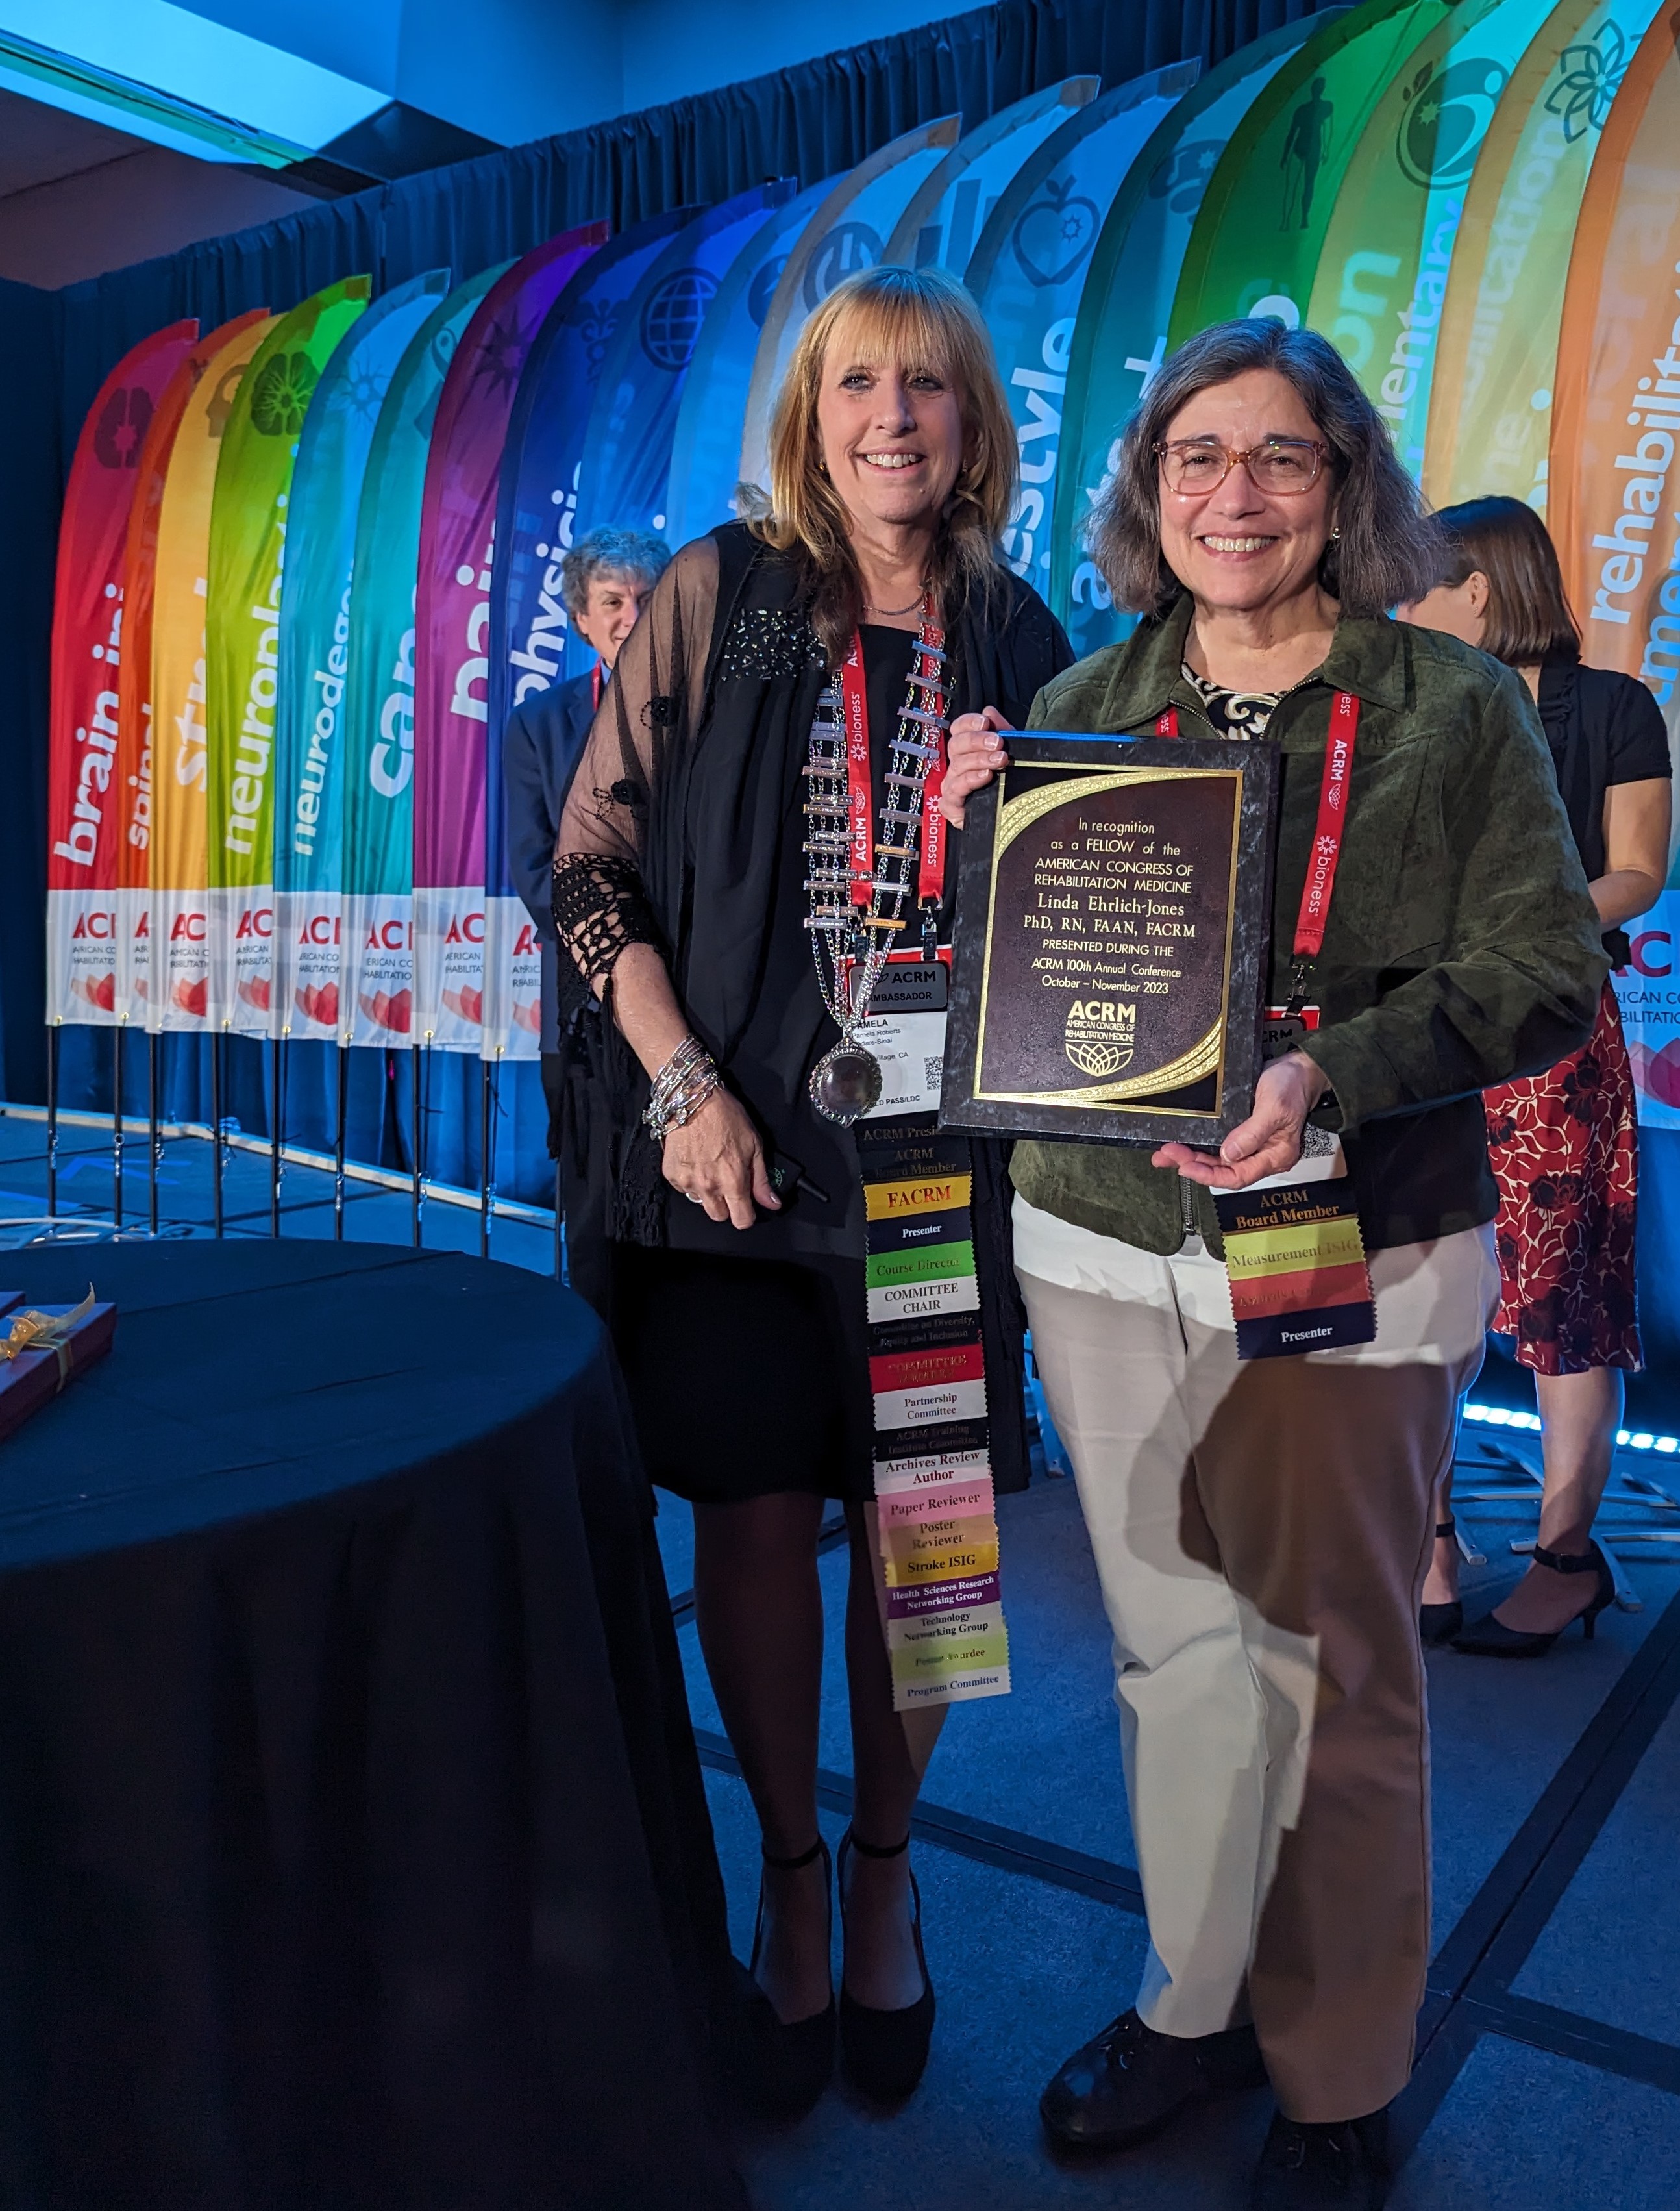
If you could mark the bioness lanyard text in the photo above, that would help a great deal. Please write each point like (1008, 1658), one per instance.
(1315, 894)
(927, 678)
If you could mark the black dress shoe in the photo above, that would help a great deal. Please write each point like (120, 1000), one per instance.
(884, 2053)
(1340, 2168)
(1440, 1623)
(1129, 2082)
(1490, 1638)
(791, 2064)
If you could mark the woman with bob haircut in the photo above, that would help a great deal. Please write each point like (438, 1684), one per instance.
(1563, 1145)
(698, 849)
(1261, 1526)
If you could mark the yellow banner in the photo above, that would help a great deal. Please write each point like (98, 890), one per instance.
(1490, 411)
(179, 873)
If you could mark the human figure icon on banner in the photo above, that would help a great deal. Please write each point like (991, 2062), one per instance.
(1304, 149)
(848, 248)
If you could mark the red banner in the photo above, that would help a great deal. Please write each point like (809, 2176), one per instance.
(84, 792)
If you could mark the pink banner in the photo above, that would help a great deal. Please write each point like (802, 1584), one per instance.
(451, 622)
(84, 795)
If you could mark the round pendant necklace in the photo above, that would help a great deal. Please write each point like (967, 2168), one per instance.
(851, 936)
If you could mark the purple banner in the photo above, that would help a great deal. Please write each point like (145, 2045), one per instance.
(452, 621)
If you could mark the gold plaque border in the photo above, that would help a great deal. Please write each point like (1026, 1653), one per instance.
(1207, 1055)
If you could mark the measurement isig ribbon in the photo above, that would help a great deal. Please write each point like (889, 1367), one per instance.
(936, 1510)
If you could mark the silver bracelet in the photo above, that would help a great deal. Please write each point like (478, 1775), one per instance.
(681, 1088)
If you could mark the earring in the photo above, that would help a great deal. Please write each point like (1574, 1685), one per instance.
(822, 465)
(1335, 533)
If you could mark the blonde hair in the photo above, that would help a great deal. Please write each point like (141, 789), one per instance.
(918, 318)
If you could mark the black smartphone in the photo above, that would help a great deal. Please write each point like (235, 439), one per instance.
(788, 1178)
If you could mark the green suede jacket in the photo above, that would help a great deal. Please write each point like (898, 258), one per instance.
(1461, 948)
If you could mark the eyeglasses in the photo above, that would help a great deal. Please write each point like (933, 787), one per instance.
(1276, 464)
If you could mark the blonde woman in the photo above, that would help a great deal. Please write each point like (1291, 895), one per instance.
(683, 888)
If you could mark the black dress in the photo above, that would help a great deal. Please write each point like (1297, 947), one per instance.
(744, 1350)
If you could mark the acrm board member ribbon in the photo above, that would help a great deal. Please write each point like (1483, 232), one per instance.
(936, 1509)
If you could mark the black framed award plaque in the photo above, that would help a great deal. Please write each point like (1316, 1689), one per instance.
(1113, 919)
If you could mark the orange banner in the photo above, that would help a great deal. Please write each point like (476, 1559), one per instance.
(134, 711)
(1615, 480)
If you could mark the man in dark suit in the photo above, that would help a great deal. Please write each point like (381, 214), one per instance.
(604, 579)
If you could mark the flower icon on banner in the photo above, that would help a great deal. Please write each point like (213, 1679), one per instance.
(1588, 79)
(281, 395)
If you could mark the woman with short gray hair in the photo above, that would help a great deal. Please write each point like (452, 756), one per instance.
(1261, 1524)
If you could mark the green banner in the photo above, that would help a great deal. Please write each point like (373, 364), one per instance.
(1119, 330)
(1388, 247)
(1254, 250)
(376, 1003)
(259, 448)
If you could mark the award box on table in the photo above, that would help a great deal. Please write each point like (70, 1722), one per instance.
(1112, 921)
(33, 1378)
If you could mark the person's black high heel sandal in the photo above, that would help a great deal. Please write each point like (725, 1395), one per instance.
(794, 2063)
(1491, 1639)
(884, 2053)
(1440, 1623)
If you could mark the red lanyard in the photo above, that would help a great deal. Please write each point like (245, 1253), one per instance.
(595, 685)
(860, 794)
(1332, 819)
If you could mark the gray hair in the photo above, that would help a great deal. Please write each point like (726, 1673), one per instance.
(1387, 551)
(610, 552)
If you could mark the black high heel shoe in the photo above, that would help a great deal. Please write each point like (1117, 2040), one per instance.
(794, 2063)
(1440, 1623)
(884, 2053)
(1491, 1639)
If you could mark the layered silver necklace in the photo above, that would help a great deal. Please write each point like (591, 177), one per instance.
(850, 940)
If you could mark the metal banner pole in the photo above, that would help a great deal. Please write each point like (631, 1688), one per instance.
(216, 1041)
(416, 1130)
(153, 1138)
(486, 1137)
(277, 1106)
(116, 1123)
(338, 1143)
(52, 1120)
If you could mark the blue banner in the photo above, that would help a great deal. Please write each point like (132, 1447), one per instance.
(333, 449)
(1029, 270)
(705, 451)
(627, 470)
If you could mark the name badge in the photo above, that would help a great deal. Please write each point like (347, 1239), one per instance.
(1295, 1263)
(1286, 1028)
(905, 1031)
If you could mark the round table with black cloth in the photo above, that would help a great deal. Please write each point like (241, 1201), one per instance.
(353, 1848)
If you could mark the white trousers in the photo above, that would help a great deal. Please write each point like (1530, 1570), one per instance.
(1261, 1530)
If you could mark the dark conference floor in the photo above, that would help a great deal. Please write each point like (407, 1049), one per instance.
(1548, 2078)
